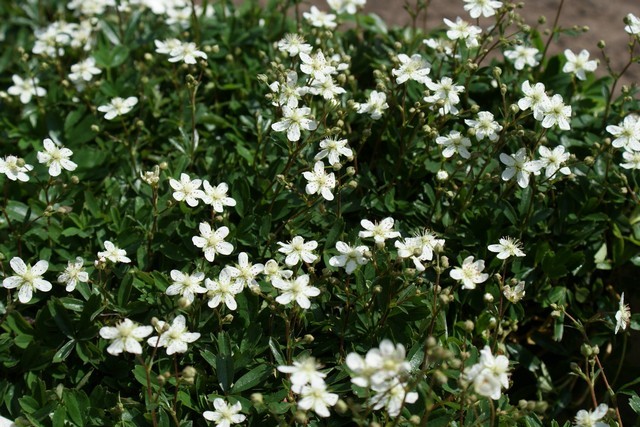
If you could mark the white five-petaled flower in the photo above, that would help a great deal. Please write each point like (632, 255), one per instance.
(320, 19)
(453, 143)
(113, 253)
(514, 294)
(332, 149)
(125, 336)
(293, 120)
(557, 113)
(84, 70)
(380, 231)
(348, 6)
(462, 30)
(412, 67)
(350, 257)
(374, 106)
(212, 242)
(217, 196)
(15, 168)
(187, 189)
(520, 166)
(186, 285)
(485, 8)
(26, 88)
(447, 92)
(165, 47)
(224, 415)
(633, 24)
(623, 315)
(392, 396)
(187, 52)
(507, 247)
(316, 66)
(27, 278)
(297, 290)
(319, 181)
(223, 290)
(298, 249)
(552, 160)
(579, 64)
(175, 338)
(632, 160)
(56, 158)
(272, 269)
(117, 107)
(593, 418)
(73, 274)
(522, 55)
(627, 133)
(484, 126)
(489, 375)
(244, 272)
(294, 44)
(317, 398)
(535, 98)
(470, 273)
(303, 372)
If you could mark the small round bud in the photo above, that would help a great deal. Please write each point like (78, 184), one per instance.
(184, 302)
(308, 339)
(257, 398)
(469, 325)
(601, 44)
(442, 175)
(341, 407)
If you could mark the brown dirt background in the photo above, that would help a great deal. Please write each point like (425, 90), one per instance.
(603, 17)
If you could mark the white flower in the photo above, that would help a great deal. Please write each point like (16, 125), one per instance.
(520, 166)
(420, 248)
(288, 92)
(447, 92)
(186, 285)
(326, 87)
(632, 160)
(84, 70)
(489, 375)
(514, 294)
(391, 396)
(320, 19)
(316, 66)
(462, 30)
(374, 106)
(244, 272)
(217, 196)
(297, 249)
(348, 6)
(175, 338)
(26, 88)
(319, 182)
(294, 44)
(380, 231)
(350, 258)
(15, 168)
(453, 143)
(552, 160)
(535, 98)
(165, 47)
(485, 126)
(303, 372)
(470, 273)
(485, 8)
(117, 107)
(627, 133)
(522, 55)
(592, 418)
(507, 247)
(126, 336)
(580, 64)
(113, 253)
(73, 274)
(633, 24)
(293, 120)
(27, 278)
(212, 242)
(556, 113)
(223, 290)
(298, 290)
(56, 158)
(333, 149)
(317, 398)
(272, 269)
(187, 52)
(224, 415)
(412, 68)
(623, 315)
(187, 189)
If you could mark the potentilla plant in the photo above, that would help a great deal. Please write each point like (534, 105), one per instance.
(220, 214)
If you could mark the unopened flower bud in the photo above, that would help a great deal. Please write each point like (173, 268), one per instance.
(469, 325)
(601, 44)
(341, 407)
(257, 398)
(184, 302)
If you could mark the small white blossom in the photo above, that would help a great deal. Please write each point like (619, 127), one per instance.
(552, 160)
(117, 107)
(522, 55)
(447, 92)
(486, 8)
(489, 375)
(187, 52)
(514, 294)
(579, 64)
(470, 273)
(507, 247)
(113, 253)
(175, 338)
(412, 68)
(223, 290)
(293, 120)
(633, 24)
(557, 113)
(297, 249)
(294, 44)
(297, 290)
(73, 273)
(272, 269)
(392, 396)
(484, 126)
(462, 30)
(56, 158)
(125, 336)
(632, 160)
(288, 92)
(535, 98)
(332, 149)
(380, 231)
(224, 415)
(320, 19)
(15, 168)
(303, 372)
(350, 257)
(626, 133)
(520, 166)
(187, 189)
(27, 279)
(623, 315)
(244, 272)
(348, 6)
(84, 70)
(165, 47)
(327, 88)
(592, 418)
(186, 285)
(453, 143)
(319, 182)
(376, 104)
(317, 398)
(212, 242)
(316, 66)
(26, 88)
(217, 196)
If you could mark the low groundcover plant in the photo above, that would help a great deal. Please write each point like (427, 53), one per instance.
(220, 214)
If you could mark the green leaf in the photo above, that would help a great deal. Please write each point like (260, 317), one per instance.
(252, 378)
(275, 350)
(111, 56)
(64, 351)
(634, 403)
